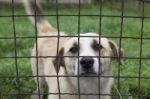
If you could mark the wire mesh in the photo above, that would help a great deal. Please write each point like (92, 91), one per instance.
(122, 16)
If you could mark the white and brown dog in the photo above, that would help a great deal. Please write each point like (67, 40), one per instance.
(86, 60)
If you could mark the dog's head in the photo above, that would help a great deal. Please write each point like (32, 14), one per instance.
(87, 55)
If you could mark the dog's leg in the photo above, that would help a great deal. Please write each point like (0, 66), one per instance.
(51, 81)
(53, 88)
(38, 93)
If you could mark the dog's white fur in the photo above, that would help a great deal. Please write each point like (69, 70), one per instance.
(49, 66)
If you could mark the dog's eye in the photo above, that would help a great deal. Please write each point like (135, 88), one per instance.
(97, 47)
(73, 50)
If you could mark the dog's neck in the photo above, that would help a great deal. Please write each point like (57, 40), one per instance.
(90, 85)
(86, 85)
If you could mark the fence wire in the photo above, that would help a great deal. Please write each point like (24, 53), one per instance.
(79, 15)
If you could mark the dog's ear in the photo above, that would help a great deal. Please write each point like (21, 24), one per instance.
(117, 52)
(59, 60)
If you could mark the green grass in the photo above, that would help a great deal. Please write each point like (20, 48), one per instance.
(110, 26)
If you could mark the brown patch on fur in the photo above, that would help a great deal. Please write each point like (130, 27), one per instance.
(116, 52)
(46, 29)
(59, 61)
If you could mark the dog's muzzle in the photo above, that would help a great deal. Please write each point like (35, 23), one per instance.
(87, 63)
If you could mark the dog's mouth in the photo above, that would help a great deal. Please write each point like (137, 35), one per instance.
(90, 73)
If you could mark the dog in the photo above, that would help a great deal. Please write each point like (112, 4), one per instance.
(79, 66)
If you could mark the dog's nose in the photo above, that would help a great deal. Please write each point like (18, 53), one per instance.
(87, 62)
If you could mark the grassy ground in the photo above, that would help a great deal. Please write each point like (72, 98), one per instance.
(110, 26)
